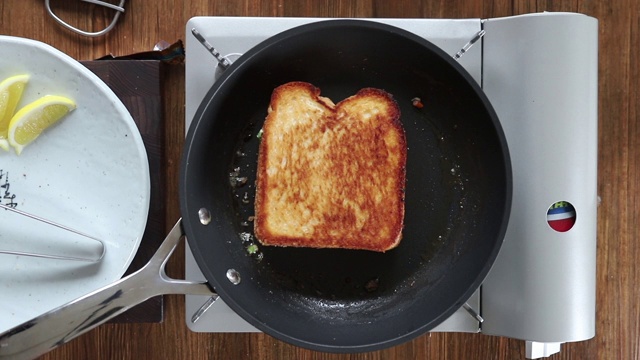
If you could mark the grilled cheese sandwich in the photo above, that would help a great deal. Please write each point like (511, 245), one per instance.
(331, 175)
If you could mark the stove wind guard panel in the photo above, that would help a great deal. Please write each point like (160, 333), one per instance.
(540, 73)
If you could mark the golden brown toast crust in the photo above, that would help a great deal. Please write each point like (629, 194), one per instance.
(331, 176)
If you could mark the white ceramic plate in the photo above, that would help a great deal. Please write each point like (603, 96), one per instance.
(89, 172)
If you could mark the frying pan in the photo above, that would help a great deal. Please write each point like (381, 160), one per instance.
(457, 200)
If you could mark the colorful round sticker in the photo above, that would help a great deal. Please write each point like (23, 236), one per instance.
(561, 216)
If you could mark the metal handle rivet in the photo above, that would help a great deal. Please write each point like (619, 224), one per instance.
(233, 276)
(205, 216)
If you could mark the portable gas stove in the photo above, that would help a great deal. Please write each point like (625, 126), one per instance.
(540, 73)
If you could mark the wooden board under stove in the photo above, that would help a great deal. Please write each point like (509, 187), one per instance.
(137, 84)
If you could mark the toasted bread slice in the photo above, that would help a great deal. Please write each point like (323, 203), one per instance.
(331, 176)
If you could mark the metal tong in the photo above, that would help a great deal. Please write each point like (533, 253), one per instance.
(93, 255)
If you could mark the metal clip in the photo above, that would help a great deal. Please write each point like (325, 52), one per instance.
(99, 254)
(118, 8)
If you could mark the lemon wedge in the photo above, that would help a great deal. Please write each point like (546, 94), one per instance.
(30, 121)
(10, 93)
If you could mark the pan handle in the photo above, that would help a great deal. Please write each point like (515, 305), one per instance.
(58, 326)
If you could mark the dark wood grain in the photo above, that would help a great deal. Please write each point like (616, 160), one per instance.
(137, 83)
(147, 22)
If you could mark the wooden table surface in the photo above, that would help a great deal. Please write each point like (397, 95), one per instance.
(147, 22)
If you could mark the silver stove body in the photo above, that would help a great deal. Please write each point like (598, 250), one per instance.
(540, 73)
